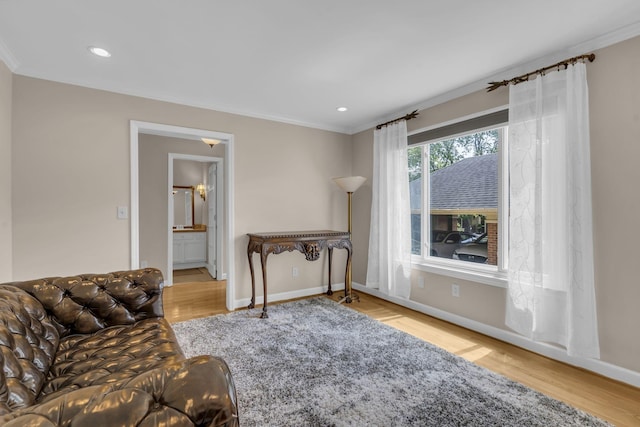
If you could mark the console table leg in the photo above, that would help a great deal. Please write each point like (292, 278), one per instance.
(330, 251)
(263, 260)
(252, 304)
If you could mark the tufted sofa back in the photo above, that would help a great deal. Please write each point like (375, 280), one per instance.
(87, 303)
(28, 342)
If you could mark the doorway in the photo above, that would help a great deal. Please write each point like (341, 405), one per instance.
(137, 128)
(199, 244)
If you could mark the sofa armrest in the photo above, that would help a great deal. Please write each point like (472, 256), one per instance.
(194, 392)
(89, 302)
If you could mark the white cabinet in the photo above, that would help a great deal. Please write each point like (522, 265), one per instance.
(189, 249)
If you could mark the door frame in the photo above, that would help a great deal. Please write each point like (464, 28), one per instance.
(138, 127)
(213, 190)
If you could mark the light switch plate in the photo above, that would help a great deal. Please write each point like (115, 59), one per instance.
(123, 212)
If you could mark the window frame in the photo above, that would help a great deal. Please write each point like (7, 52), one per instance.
(485, 274)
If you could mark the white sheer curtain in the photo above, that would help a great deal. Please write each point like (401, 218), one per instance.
(389, 266)
(551, 295)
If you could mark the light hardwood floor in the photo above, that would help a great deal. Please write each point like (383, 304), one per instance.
(610, 400)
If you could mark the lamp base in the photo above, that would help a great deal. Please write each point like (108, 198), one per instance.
(349, 297)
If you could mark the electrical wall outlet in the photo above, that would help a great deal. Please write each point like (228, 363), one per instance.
(144, 264)
(294, 272)
(421, 282)
(455, 290)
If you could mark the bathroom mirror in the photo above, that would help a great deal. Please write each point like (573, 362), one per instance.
(182, 207)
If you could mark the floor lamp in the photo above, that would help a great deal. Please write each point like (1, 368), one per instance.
(349, 184)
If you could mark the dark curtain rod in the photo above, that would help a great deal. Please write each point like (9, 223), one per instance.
(411, 115)
(525, 77)
(495, 85)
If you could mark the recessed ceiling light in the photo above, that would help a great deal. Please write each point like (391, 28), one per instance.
(342, 109)
(98, 51)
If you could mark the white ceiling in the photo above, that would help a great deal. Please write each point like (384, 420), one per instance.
(296, 61)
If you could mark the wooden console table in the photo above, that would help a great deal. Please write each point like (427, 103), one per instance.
(310, 243)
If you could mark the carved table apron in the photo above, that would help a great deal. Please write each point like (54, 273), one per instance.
(310, 243)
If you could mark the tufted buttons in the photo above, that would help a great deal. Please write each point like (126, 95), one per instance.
(181, 393)
(110, 299)
(27, 347)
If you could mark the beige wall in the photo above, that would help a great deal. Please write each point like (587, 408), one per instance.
(615, 126)
(614, 103)
(73, 147)
(6, 94)
(153, 178)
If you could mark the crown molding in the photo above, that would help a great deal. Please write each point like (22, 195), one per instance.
(129, 91)
(596, 43)
(7, 57)
(611, 38)
(602, 41)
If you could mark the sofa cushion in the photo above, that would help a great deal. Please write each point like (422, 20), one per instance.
(86, 303)
(110, 356)
(194, 392)
(28, 342)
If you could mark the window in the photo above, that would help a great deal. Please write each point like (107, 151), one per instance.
(456, 194)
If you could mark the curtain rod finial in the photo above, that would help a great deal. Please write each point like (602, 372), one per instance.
(525, 77)
(495, 85)
(409, 116)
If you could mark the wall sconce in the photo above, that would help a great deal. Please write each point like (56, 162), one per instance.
(200, 188)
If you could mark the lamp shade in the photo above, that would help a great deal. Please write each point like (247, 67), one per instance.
(350, 183)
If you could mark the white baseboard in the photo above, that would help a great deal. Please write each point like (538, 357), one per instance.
(603, 368)
(283, 296)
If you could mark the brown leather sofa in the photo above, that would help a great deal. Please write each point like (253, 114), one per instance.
(95, 350)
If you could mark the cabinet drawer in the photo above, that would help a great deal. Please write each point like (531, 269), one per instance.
(189, 235)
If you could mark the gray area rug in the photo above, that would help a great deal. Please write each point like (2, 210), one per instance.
(317, 363)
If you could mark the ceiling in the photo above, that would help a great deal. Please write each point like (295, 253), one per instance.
(296, 61)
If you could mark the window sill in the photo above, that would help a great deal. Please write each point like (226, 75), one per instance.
(487, 275)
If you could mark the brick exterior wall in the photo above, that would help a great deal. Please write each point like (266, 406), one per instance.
(492, 243)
